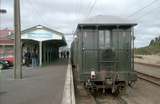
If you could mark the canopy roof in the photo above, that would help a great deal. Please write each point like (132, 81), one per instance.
(41, 33)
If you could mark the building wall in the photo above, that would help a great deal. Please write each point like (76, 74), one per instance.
(6, 51)
(6, 44)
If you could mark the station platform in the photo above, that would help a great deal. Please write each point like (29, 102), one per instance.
(43, 85)
(150, 70)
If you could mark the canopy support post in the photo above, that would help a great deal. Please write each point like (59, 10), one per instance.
(40, 53)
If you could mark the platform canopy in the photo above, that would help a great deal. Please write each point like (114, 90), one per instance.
(41, 33)
(45, 40)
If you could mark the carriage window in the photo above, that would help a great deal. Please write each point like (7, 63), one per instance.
(90, 39)
(101, 39)
(104, 39)
(107, 39)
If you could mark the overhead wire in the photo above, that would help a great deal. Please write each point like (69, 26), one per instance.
(40, 15)
(36, 12)
(92, 7)
(141, 9)
(78, 7)
(89, 9)
(88, 6)
(147, 13)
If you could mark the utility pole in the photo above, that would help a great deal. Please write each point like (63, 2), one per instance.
(17, 48)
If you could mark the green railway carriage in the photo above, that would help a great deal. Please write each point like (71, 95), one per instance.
(102, 53)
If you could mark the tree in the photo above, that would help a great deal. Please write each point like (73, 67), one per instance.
(151, 42)
(156, 40)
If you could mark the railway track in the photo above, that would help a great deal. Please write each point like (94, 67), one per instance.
(93, 98)
(147, 64)
(149, 78)
(109, 99)
(86, 97)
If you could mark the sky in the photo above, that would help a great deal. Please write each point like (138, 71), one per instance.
(64, 15)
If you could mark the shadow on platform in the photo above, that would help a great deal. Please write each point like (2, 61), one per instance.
(60, 62)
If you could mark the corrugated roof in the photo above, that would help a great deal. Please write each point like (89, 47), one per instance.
(108, 20)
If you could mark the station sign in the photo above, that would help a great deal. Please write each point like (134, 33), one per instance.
(41, 35)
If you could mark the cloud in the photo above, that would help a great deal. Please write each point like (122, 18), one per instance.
(63, 15)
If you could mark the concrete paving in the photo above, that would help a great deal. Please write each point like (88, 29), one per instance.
(39, 86)
(154, 71)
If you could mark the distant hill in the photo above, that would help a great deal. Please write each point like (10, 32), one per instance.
(152, 48)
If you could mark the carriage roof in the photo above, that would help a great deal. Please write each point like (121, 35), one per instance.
(107, 20)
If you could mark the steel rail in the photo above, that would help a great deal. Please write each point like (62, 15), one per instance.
(147, 64)
(118, 99)
(148, 78)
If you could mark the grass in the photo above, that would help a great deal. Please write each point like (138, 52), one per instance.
(149, 50)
